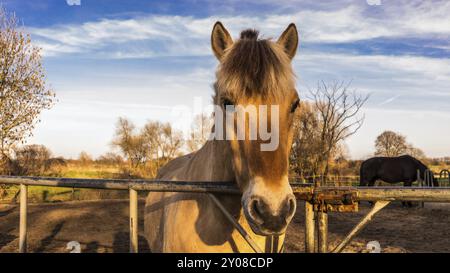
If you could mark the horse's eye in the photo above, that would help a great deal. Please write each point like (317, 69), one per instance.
(227, 102)
(295, 105)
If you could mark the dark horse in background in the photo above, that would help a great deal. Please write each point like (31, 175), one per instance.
(392, 170)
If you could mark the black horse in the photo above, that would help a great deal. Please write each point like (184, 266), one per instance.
(392, 170)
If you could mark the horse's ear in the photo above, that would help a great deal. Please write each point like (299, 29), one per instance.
(289, 40)
(220, 40)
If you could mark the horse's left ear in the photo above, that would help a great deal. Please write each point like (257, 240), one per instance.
(289, 40)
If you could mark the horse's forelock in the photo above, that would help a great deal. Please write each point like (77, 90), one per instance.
(251, 34)
(255, 66)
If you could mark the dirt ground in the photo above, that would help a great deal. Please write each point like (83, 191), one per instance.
(99, 226)
(102, 226)
(396, 228)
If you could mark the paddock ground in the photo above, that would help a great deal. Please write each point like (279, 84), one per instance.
(102, 226)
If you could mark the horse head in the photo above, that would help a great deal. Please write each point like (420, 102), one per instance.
(255, 93)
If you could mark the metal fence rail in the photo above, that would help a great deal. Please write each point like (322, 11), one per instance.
(124, 184)
(131, 185)
(321, 200)
(312, 196)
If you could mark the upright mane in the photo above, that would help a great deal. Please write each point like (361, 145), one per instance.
(254, 66)
(419, 163)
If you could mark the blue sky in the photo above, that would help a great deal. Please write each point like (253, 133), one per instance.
(139, 59)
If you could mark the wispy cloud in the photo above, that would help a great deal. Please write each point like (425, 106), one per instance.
(186, 35)
(415, 82)
(389, 100)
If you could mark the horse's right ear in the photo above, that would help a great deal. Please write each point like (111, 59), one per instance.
(289, 40)
(220, 40)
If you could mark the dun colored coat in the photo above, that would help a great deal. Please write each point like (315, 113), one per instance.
(251, 71)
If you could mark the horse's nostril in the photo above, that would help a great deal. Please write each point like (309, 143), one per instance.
(255, 207)
(255, 211)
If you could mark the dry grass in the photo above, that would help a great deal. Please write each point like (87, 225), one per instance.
(71, 170)
(74, 170)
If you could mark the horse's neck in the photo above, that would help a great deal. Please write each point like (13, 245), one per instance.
(214, 160)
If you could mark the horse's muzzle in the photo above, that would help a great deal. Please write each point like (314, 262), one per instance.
(264, 220)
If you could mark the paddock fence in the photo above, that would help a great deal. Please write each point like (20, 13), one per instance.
(444, 175)
(319, 201)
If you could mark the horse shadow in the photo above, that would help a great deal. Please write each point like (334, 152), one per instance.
(7, 212)
(45, 242)
(6, 238)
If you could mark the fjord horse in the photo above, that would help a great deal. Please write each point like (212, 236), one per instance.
(252, 71)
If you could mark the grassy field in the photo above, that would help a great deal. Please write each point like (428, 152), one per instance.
(75, 170)
(56, 194)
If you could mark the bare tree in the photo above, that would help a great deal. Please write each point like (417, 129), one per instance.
(200, 131)
(306, 145)
(33, 159)
(155, 143)
(390, 143)
(130, 143)
(23, 90)
(339, 117)
(171, 141)
(153, 139)
(415, 152)
(84, 158)
(162, 143)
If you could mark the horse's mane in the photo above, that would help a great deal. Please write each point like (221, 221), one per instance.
(418, 162)
(252, 65)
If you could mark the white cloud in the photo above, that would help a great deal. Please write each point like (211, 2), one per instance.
(73, 2)
(430, 68)
(373, 2)
(416, 82)
(186, 35)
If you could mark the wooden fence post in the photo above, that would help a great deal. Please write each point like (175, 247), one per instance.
(309, 228)
(134, 239)
(23, 219)
(322, 220)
